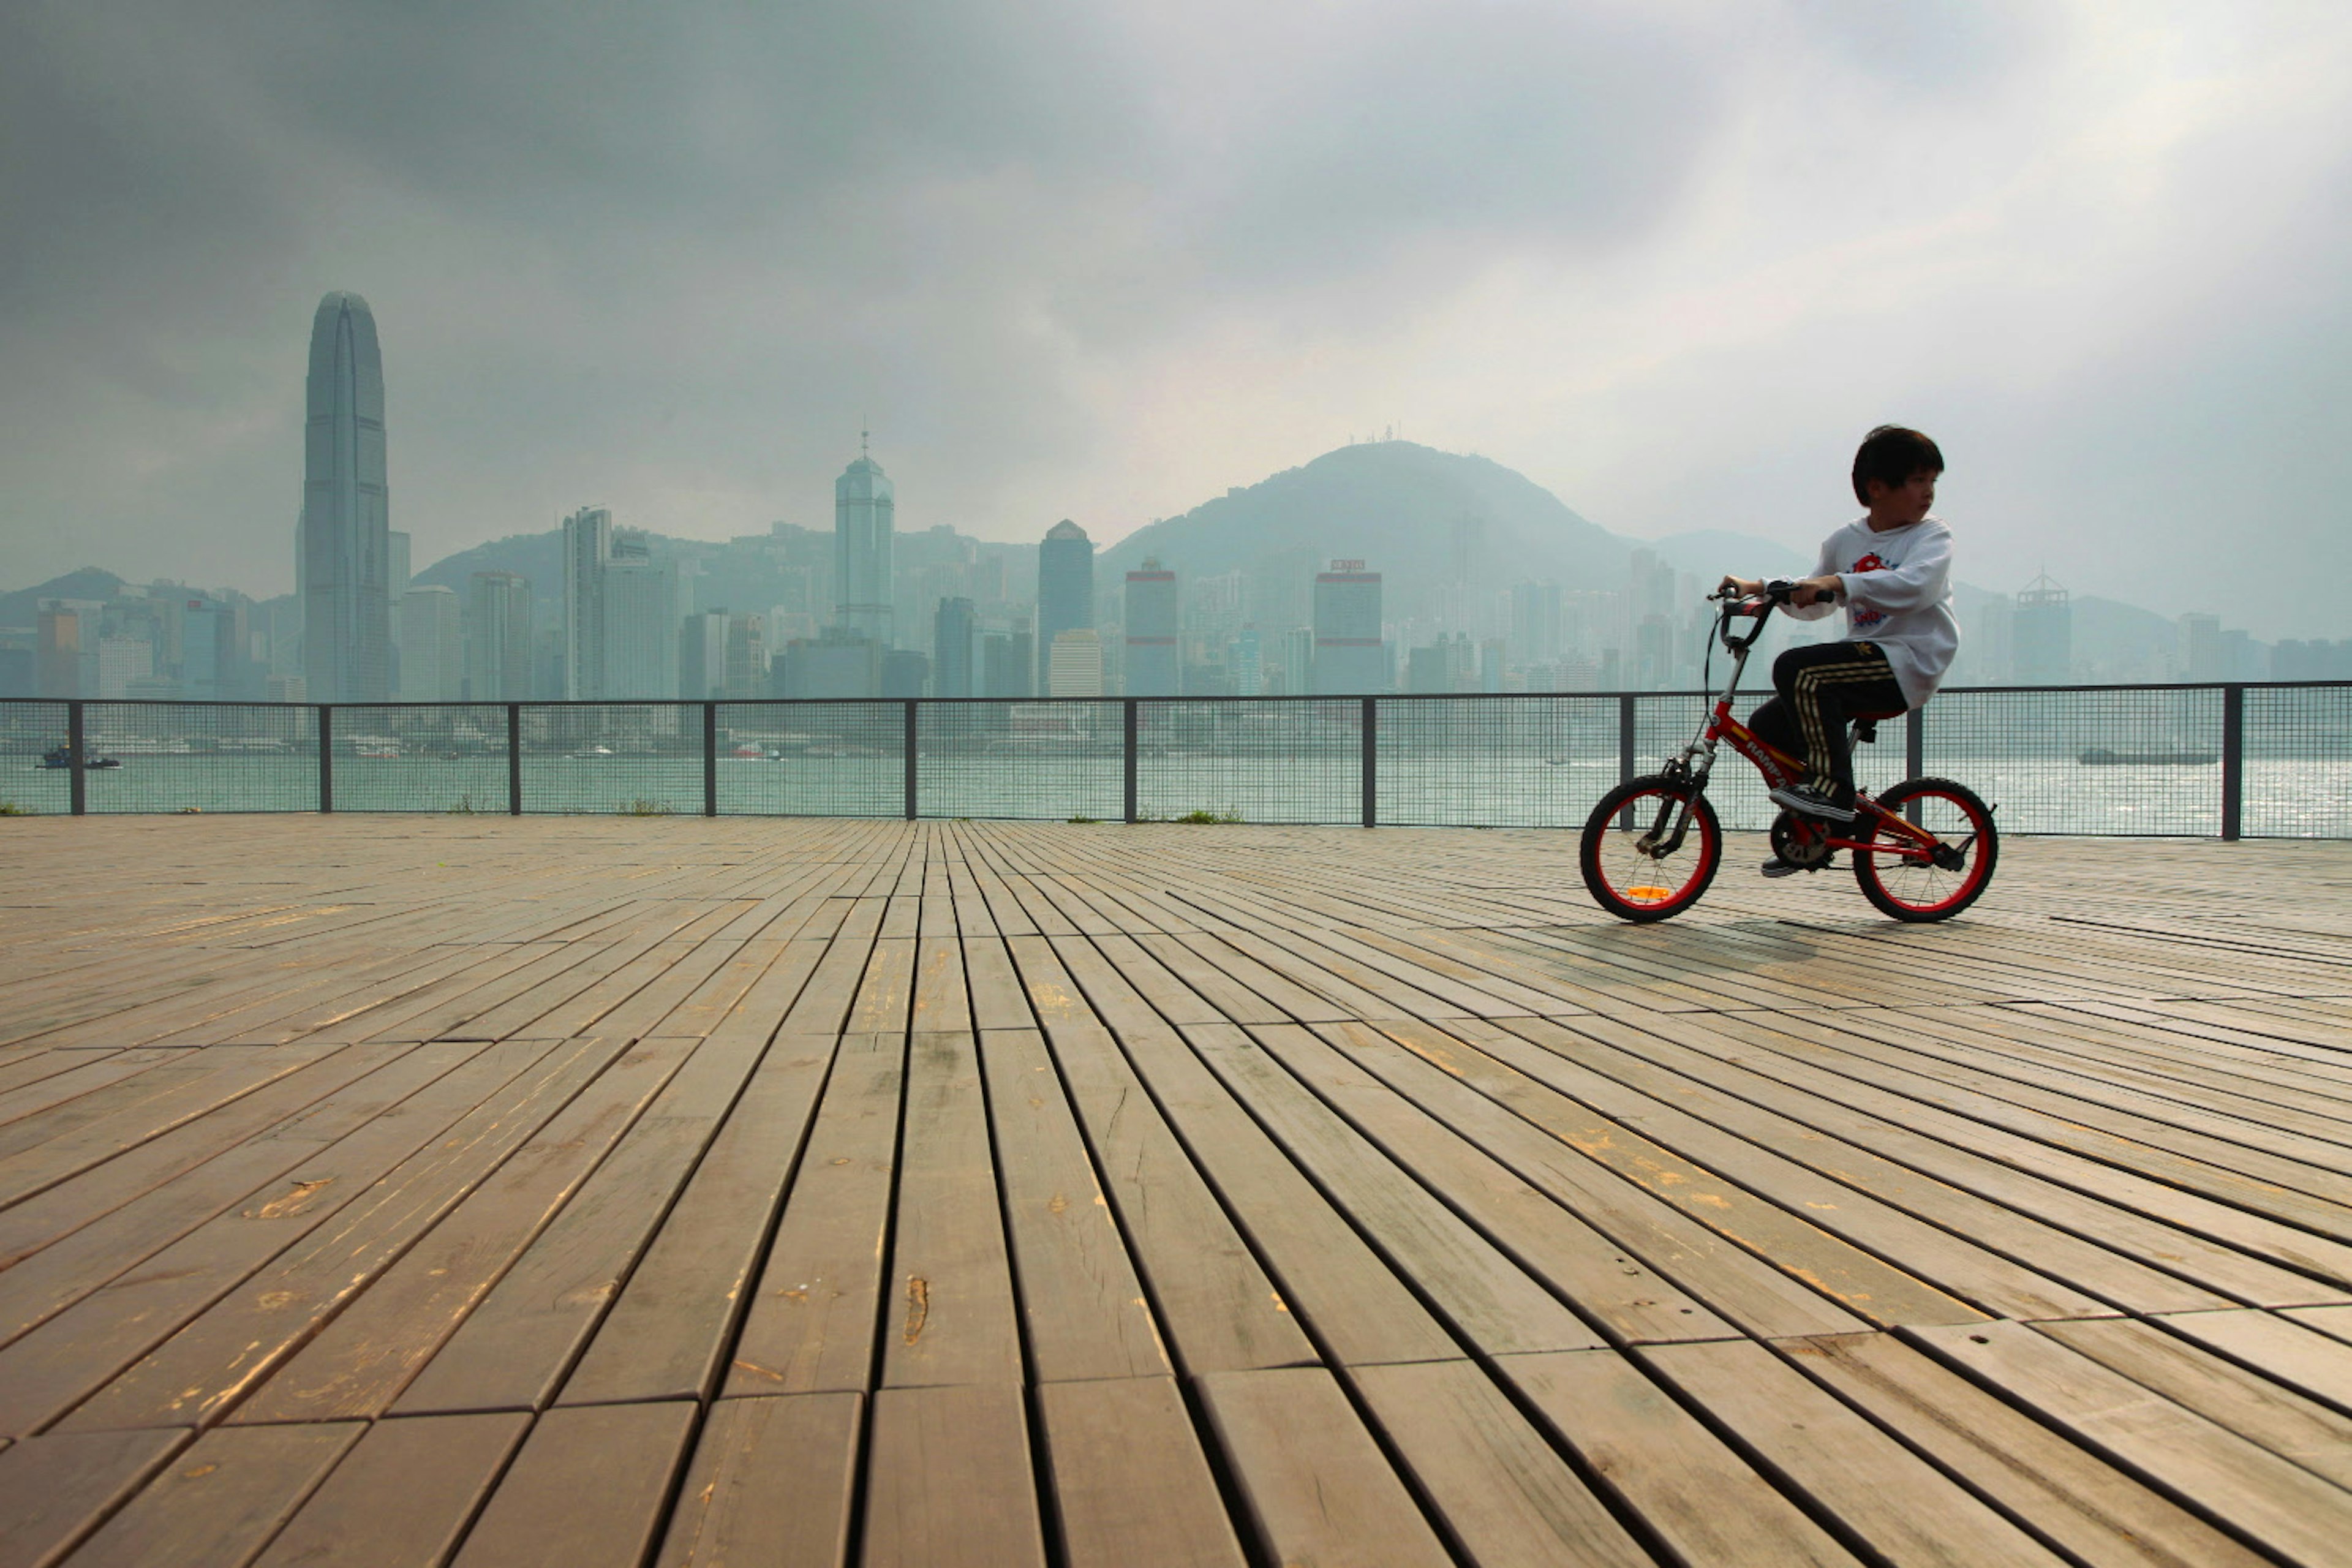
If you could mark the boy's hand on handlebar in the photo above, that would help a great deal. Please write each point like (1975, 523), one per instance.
(1744, 588)
(1815, 591)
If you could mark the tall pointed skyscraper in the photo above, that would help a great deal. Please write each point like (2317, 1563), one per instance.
(345, 552)
(864, 516)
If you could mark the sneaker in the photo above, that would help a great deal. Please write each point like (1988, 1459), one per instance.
(1806, 801)
(1776, 866)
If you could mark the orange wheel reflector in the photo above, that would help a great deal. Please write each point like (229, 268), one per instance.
(1650, 894)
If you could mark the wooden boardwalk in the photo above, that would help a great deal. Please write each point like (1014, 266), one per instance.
(584, 1192)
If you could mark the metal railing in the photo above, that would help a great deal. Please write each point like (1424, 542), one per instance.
(2272, 760)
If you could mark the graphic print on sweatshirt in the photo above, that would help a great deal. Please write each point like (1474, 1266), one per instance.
(1862, 618)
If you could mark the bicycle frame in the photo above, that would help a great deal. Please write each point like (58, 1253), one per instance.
(1695, 763)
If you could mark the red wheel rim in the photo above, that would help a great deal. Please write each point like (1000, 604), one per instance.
(1655, 886)
(1896, 874)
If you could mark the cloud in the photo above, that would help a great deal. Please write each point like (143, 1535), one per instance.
(1669, 259)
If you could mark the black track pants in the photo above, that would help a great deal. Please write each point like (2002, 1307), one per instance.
(1822, 689)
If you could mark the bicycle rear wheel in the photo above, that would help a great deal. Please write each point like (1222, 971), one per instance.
(1913, 887)
(1627, 880)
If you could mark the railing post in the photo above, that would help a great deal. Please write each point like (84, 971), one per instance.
(2233, 759)
(1129, 721)
(514, 759)
(911, 758)
(709, 759)
(326, 759)
(77, 759)
(1371, 763)
(1629, 739)
(1914, 755)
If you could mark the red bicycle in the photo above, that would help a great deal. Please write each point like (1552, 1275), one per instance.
(1922, 850)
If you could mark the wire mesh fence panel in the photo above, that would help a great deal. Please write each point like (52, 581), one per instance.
(636, 759)
(1537, 760)
(2132, 761)
(811, 759)
(1051, 761)
(32, 754)
(200, 756)
(1296, 760)
(2298, 763)
(421, 756)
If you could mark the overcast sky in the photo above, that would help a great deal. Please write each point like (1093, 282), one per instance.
(1668, 257)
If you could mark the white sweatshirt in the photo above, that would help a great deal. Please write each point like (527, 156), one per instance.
(1899, 594)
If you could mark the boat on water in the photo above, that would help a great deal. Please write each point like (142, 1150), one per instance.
(62, 757)
(379, 751)
(2165, 757)
(589, 753)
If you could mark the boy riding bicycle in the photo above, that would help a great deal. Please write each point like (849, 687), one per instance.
(1892, 567)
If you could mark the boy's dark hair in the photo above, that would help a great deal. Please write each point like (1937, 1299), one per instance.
(1891, 454)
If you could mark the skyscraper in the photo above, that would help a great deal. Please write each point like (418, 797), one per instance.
(345, 547)
(1153, 656)
(587, 546)
(497, 638)
(2042, 636)
(864, 509)
(432, 645)
(955, 644)
(641, 621)
(1065, 589)
(1348, 657)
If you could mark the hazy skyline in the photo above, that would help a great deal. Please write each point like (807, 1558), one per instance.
(1668, 260)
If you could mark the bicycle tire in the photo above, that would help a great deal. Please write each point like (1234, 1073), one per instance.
(1919, 892)
(1624, 883)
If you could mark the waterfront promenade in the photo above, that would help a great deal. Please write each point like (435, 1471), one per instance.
(600, 1191)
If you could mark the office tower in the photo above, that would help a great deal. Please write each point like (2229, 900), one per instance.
(121, 661)
(58, 654)
(702, 656)
(345, 551)
(1066, 588)
(2041, 636)
(1007, 665)
(2201, 656)
(432, 645)
(1425, 670)
(1537, 624)
(1348, 657)
(864, 518)
(209, 659)
(1076, 667)
(905, 672)
(954, 645)
(641, 621)
(837, 662)
(497, 638)
(587, 546)
(1152, 619)
(748, 658)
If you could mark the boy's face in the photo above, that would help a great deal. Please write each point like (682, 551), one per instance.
(1893, 506)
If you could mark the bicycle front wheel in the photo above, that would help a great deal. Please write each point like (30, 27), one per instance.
(1623, 871)
(1911, 886)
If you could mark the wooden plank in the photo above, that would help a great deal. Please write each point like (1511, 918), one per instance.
(1497, 1486)
(55, 1490)
(2274, 1502)
(1130, 1481)
(1695, 1494)
(361, 1361)
(771, 1483)
(955, 1318)
(812, 1321)
(46, 1371)
(666, 1335)
(2253, 1406)
(1882, 1493)
(403, 1497)
(2300, 1356)
(1316, 1486)
(213, 1363)
(1082, 1307)
(515, 1347)
(947, 1480)
(587, 1490)
(1486, 1296)
(2069, 1496)
(220, 1499)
